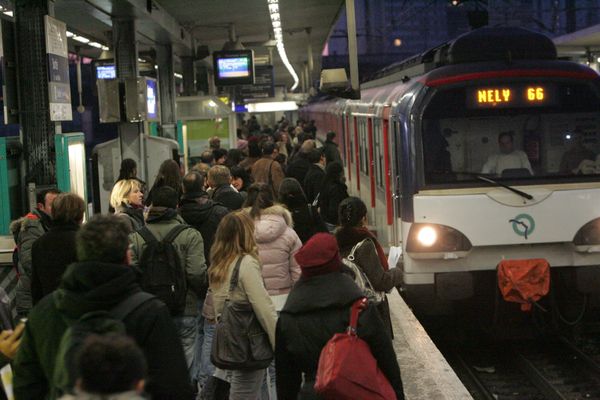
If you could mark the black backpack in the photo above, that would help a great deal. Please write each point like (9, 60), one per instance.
(163, 274)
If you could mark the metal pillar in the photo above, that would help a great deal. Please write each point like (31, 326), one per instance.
(352, 52)
(189, 79)
(166, 85)
(37, 131)
(310, 58)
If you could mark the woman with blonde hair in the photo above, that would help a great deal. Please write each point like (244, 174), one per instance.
(128, 201)
(234, 240)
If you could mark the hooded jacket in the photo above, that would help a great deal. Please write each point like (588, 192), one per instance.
(132, 215)
(277, 243)
(90, 286)
(316, 309)
(189, 246)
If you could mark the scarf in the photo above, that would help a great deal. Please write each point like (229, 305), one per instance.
(348, 237)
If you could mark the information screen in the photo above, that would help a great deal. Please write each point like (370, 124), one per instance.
(151, 99)
(106, 72)
(233, 67)
(511, 96)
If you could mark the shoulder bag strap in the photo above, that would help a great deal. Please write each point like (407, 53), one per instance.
(356, 246)
(127, 306)
(234, 276)
(355, 310)
(147, 235)
(270, 179)
(173, 233)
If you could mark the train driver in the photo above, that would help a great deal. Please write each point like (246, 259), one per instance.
(508, 158)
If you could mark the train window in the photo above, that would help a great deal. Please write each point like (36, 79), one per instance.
(378, 152)
(557, 141)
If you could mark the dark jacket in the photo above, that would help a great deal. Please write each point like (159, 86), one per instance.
(227, 196)
(313, 182)
(134, 216)
(367, 259)
(50, 256)
(90, 286)
(330, 199)
(331, 151)
(307, 220)
(315, 310)
(203, 214)
(298, 168)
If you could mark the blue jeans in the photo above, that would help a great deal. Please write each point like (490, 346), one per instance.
(186, 327)
(195, 369)
(245, 385)
(205, 367)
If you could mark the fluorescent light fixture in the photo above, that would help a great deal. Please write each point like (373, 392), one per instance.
(272, 106)
(141, 60)
(176, 75)
(95, 44)
(105, 48)
(278, 33)
(81, 39)
(212, 103)
(70, 34)
(9, 13)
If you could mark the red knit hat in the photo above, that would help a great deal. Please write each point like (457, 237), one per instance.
(320, 255)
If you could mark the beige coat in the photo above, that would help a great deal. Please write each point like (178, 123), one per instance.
(250, 289)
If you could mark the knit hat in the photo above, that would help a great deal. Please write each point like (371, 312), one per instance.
(320, 255)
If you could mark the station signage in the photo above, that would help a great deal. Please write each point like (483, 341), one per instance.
(264, 84)
(509, 96)
(59, 89)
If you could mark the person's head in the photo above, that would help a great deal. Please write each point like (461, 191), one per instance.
(284, 137)
(104, 238)
(260, 196)
(253, 149)
(239, 178)
(334, 171)
(220, 156)
(330, 136)
(68, 208)
(316, 156)
(505, 142)
(127, 192)
(45, 198)
(219, 175)
(234, 237)
(110, 364)
(320, 255)
(352, 212)
(234, 156)
(128, 169)
(165, 196)
(291, 193)
(193, 182)
(307, 146)
(214, 142)
(168, 175)
(207, 157)
(269, 150)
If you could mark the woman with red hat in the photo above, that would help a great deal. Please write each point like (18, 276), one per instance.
(369, 256)
(318, 307)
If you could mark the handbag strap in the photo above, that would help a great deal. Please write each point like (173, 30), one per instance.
(234, 276)
(356, 246)
(355, 310)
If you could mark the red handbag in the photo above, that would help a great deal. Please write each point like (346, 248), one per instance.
(347, 369)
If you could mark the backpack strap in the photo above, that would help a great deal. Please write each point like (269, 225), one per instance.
(356, 246)
(147, 235)
(131, 303)
(173, 233)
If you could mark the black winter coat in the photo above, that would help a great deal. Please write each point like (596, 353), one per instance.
(50, 256)
(203, 214)
(313, 182)
(89, 286)
(331, 152)
(298, 168)
(330, 199)
(228, 197)
(307, 221)
(315, 310)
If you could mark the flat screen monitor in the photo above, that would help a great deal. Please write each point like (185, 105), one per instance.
(152, 99)
(234, 67)
(106, 72)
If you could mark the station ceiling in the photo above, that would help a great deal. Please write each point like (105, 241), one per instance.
(190, 23)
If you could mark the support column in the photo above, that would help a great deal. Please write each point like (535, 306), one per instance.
(166, 89)
(37, 131)
(352, 49)
(310, 58)
(189, 79)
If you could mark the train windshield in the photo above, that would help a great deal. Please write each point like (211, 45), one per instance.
(524, 132)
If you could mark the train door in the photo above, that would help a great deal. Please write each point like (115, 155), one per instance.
(357, 152)
(395, 147)
(349, 141)
(387, 180)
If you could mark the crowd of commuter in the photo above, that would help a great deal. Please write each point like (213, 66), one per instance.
(128, 305)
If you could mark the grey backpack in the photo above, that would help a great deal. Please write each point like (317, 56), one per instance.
(360, 278)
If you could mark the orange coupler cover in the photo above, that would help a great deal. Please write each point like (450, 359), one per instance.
(524, 281)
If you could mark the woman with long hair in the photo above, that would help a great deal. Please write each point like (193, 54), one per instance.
(127, 199)
(169, 174)
(234, 239)
(369, 256)
(333, 191)
(307, 220)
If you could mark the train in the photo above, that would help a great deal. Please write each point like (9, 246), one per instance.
(425, 147)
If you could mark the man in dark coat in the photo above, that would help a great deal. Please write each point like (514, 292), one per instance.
(318, 307)
(330, 149)
(219, 179)
(101, 280)
(313, 181)
(298, 167)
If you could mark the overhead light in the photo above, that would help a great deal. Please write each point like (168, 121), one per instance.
(81, 39)
(176, 75)
(212, 103)
(278, 33)
(105, 48)
(95, 44)
(70, 34)
(141, 60)
(9, 13)
(272, 106)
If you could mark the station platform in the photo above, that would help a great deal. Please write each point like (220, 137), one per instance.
(426, 375)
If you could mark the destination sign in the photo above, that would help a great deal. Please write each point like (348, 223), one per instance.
(511, 96)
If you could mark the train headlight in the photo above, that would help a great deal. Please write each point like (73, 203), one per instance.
(589, 234)
(435, 238)
(427, 236)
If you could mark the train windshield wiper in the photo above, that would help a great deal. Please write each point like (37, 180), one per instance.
(512, 189)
